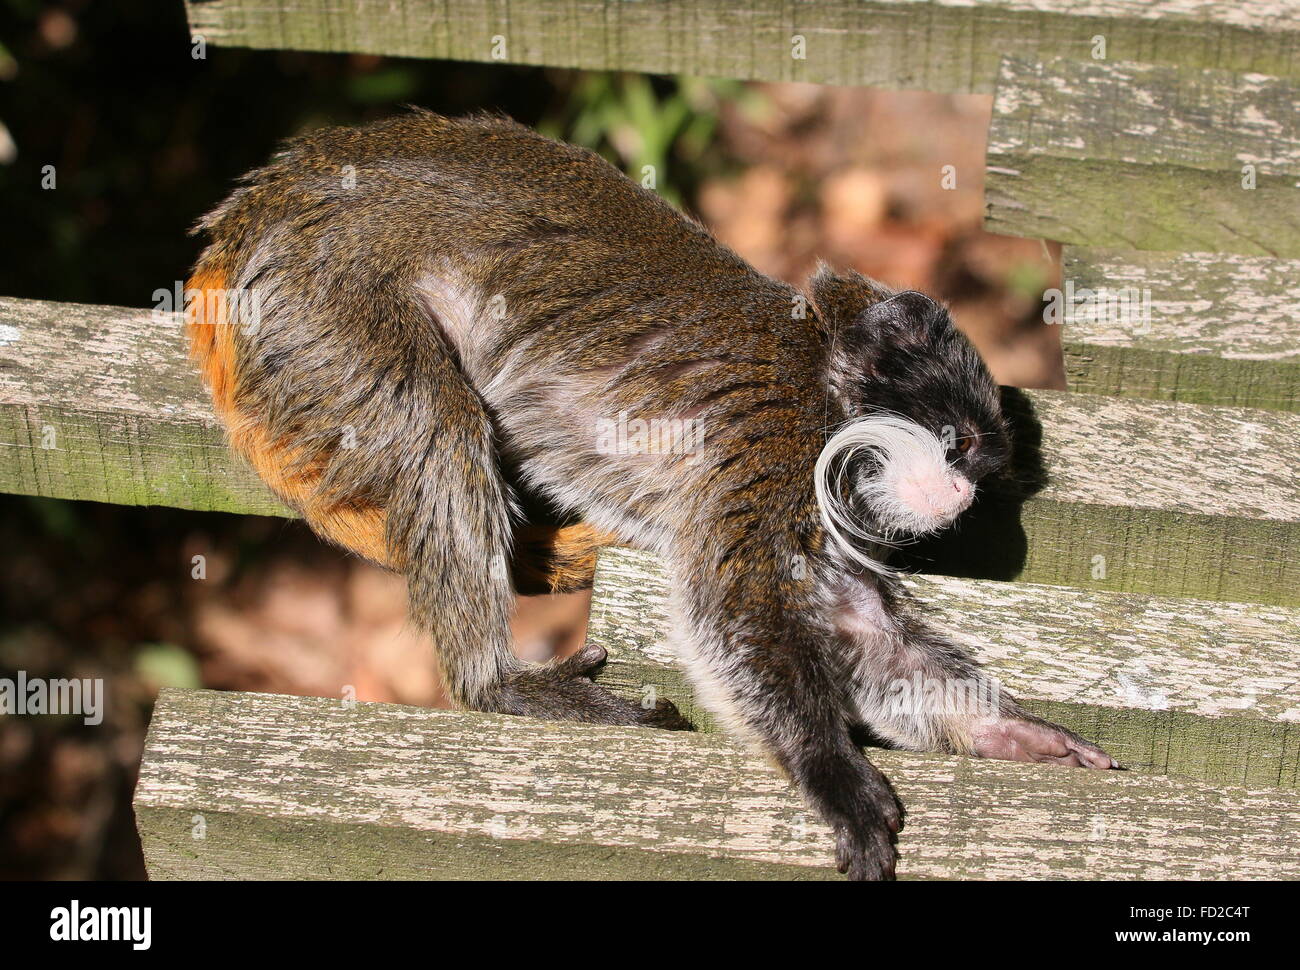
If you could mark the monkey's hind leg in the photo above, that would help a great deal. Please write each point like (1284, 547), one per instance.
(451, 524)
(450, 528)
(417, 487)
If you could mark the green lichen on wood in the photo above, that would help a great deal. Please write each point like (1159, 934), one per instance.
(1124, 548)
(127, 459)
(243, 846)
(292, 787)
(1191, 378)
(1148, 157)
(1198, 689)
(936, 46)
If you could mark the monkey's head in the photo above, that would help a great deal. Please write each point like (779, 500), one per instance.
(923, 421)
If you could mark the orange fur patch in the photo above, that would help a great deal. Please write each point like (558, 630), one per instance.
(212, 345)
(557, 559)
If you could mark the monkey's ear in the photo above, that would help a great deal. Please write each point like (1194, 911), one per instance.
(839, 300)
(905, 319)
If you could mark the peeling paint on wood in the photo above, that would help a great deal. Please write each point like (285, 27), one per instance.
(1150, 497)
(1223, 329)
(305, 788)
(1169, 457)
(102, 403)
(1100, 153)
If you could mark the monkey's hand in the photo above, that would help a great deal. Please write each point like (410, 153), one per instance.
(1023, 737)
(856, 800)
(864, 843)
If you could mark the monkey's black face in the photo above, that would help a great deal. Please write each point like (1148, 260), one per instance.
(927, 422)
(916, 364)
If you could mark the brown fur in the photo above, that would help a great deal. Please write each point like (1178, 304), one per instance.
(557, 559)
(548, 558)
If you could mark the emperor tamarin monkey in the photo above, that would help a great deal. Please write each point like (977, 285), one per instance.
(430, 318)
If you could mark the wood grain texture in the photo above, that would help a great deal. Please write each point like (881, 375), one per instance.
(1222, 329)
(289, 787)
(1179, 500)
(1100, 153)
(1162, 456)
(1202, 690)
(102, 403)
(937, 45)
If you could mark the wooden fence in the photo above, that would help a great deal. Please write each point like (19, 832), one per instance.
(1147, 594)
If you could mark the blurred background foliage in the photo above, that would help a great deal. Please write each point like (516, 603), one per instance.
(664, 125)
(142, 137)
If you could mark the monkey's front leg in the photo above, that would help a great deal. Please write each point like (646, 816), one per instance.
(919, 690)
(776, 683)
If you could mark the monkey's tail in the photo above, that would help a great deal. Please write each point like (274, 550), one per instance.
(557, 559)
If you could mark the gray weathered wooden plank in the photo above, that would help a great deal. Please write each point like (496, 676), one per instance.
(1175, 499)
(1209, 328)
(1100, 153)
(102, 403)
(937, 45)
(1202, 690)
(256, 786)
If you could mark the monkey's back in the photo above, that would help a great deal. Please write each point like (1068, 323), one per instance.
(564, 293)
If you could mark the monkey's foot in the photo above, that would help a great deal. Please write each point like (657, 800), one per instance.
(1028, 738)
(563, 690)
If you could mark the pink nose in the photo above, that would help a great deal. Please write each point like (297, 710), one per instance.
(957, 498)
(936, 496)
